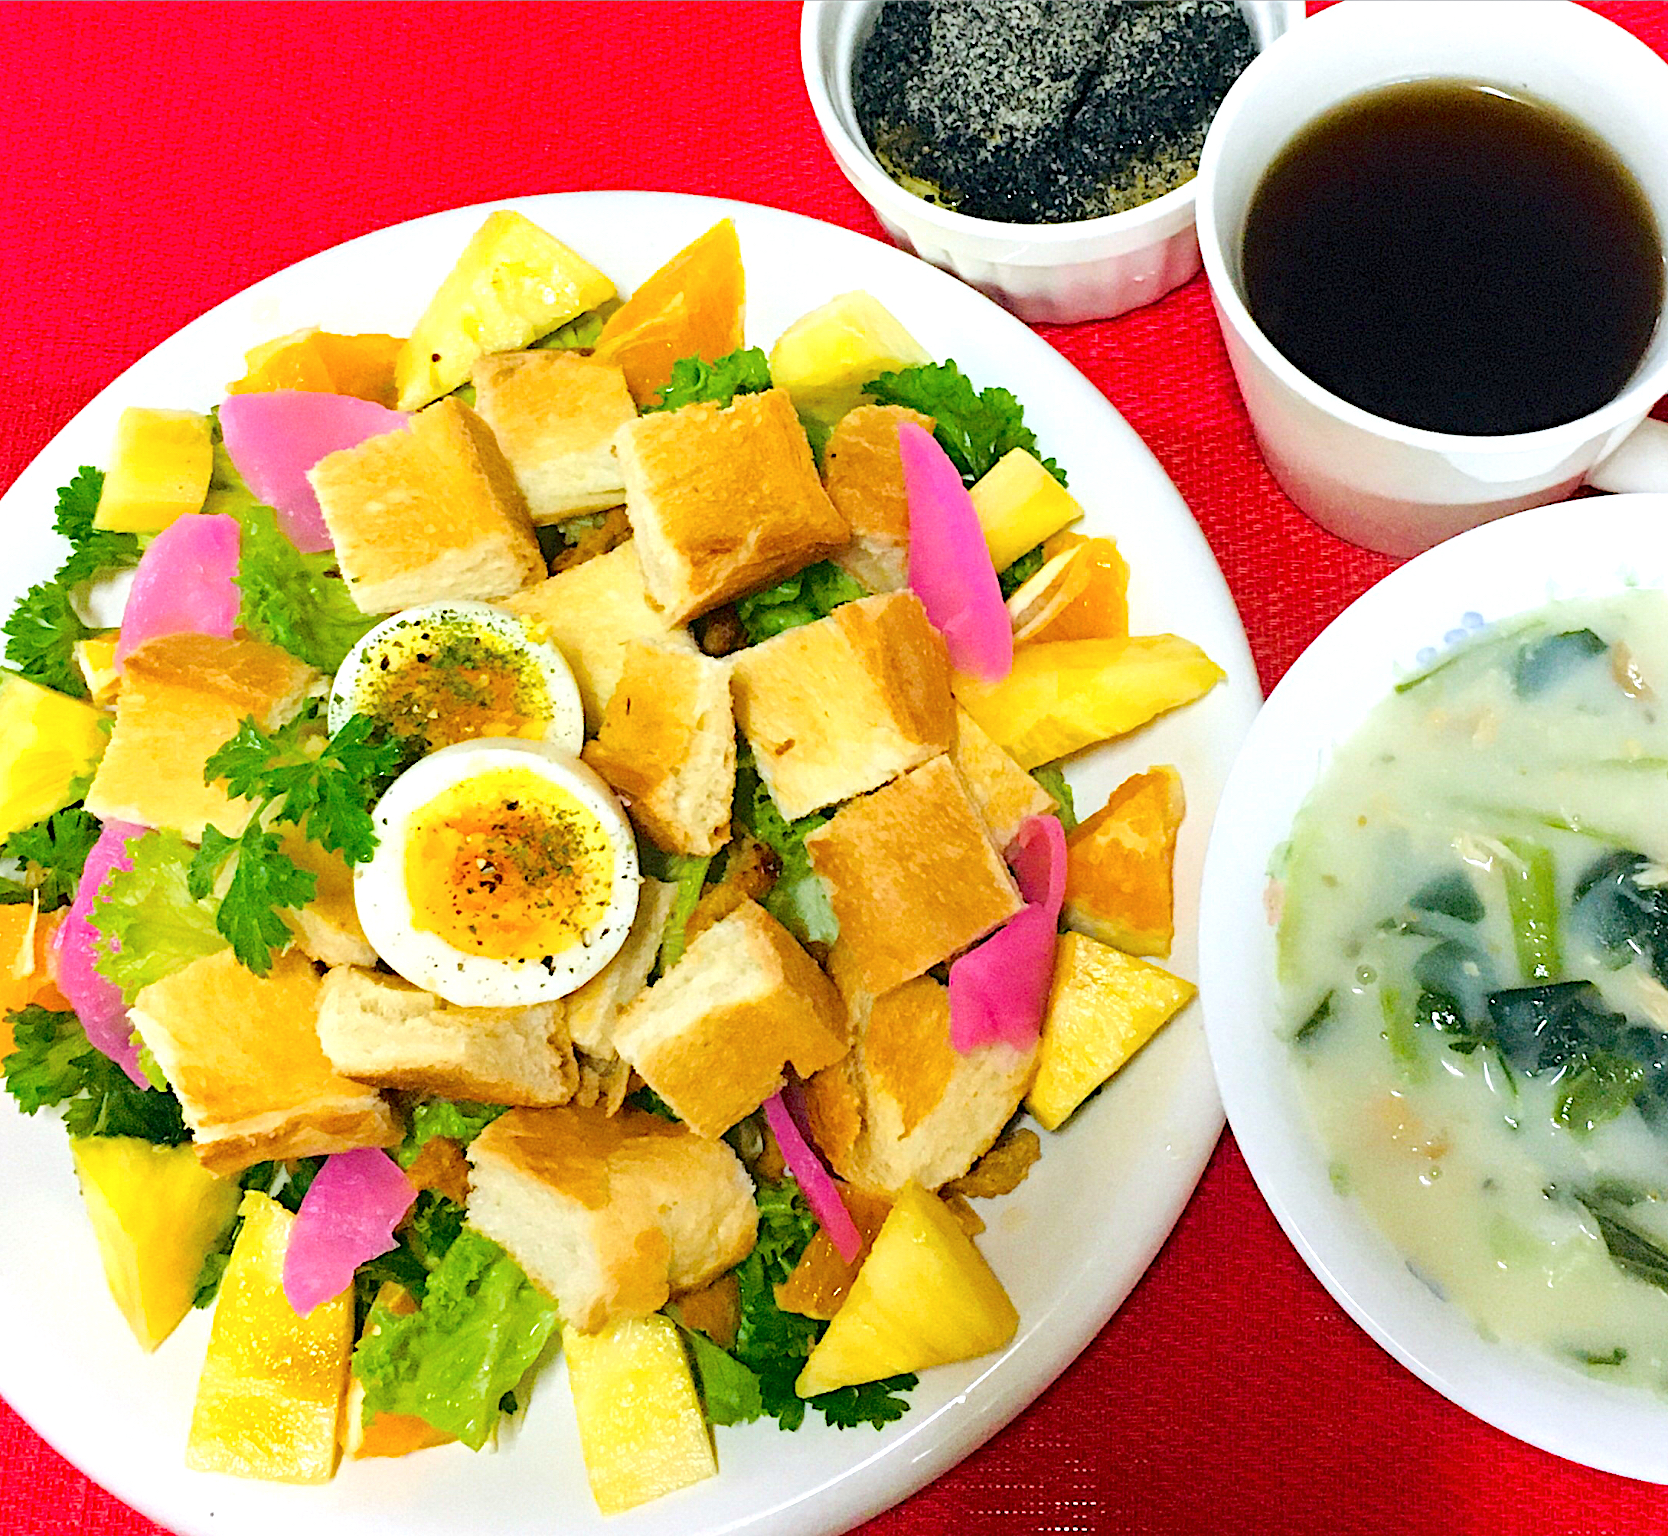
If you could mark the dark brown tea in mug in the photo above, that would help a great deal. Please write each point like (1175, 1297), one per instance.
(1450, 257)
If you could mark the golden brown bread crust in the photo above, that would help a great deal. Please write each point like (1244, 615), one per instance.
(724, 501)
(667, 746)
(1004, 792)
(242, 1053)
(182, 699)
(555, 414)
(589, 613)
(593, 1008)
(913, 878)
(863, 474)
(838, 707)
(427, 512)
(384, 1031)
(610, 1214)
(713, 1035)
(905, 1104)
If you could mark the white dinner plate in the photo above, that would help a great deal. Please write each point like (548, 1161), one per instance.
(1068, 1244)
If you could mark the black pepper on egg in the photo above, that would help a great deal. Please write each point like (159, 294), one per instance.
(1045, 111)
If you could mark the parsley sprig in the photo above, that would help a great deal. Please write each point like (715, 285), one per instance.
(323, 788)
(43, 628)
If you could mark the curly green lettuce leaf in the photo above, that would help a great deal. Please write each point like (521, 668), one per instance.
(799, 898)
(812, 594)
(687, 871)
(292, 600)
(52, 1064)
(580, 333)
(457, 1119)
(149, 923)
(1020, 572)
(694, 380)
(975, 427)
(478, 1330)
(1052, 777)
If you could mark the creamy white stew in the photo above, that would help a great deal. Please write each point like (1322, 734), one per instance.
(1473, 949)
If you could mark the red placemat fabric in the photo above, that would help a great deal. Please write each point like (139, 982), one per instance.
(161, 157)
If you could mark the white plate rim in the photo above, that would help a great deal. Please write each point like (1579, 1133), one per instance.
(1492, 572)
(1162, 1114)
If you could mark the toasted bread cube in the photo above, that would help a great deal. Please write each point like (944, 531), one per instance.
(593, 1009)
(1120, 862)
(183, 697)
(642, 1429)
(327, 929)
(667, 745)
(838, 707)
(610, 1215)
(379, 1029)
(242, 1053)
(1103, 1007)
(724, 501)
(269, 1402)
(863, 474)
(1004, 792)
(713, 1035)
(905, 1104)
(913, 878)
(427, 512)
(555, 415)
(589, 612)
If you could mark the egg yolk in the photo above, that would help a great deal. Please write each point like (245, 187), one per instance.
(445, 682)
(509, 866)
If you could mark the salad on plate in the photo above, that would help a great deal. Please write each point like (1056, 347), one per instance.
(544, 839)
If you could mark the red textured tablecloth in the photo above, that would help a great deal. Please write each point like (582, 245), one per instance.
(160, 158)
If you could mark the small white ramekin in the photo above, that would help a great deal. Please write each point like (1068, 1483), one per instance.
(1087, 270)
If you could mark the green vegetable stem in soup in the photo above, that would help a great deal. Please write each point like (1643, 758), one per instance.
(1473, 954)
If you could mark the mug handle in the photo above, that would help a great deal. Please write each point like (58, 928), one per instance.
(1638, 463)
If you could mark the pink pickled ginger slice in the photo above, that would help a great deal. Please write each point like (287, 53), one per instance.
(347, 1216)
(274, 438)
(999, 991)
(822, 1194)
(186, 583)
(96, 1000)
(949, 566)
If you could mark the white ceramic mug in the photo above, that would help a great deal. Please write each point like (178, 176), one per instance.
(1402, 489)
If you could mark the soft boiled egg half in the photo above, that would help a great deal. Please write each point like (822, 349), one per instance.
(459, 671)
(505, 873)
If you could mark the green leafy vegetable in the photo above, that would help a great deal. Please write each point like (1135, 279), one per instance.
(326, 791)
(1319, 1017)
(53, 853)
(799, 898)
(457, 1119)
(43, 628)
(651, 1103)
(264, 879)
(150, 923)
(694, 380)
(730, 1391)
(812, 594)
(689, 872)
(1532, 902)
(773, 1344)
(1020, 572)
(478, 1330)
(1052, 777)
(292, 600)
(1606, 1084)
(1631, 1249)
(976, 428)
(425, 1237)
(580, 332)
(286, 1182)
(52, 1063)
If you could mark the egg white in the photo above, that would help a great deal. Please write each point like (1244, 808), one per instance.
(567, 715)
(425, 958)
